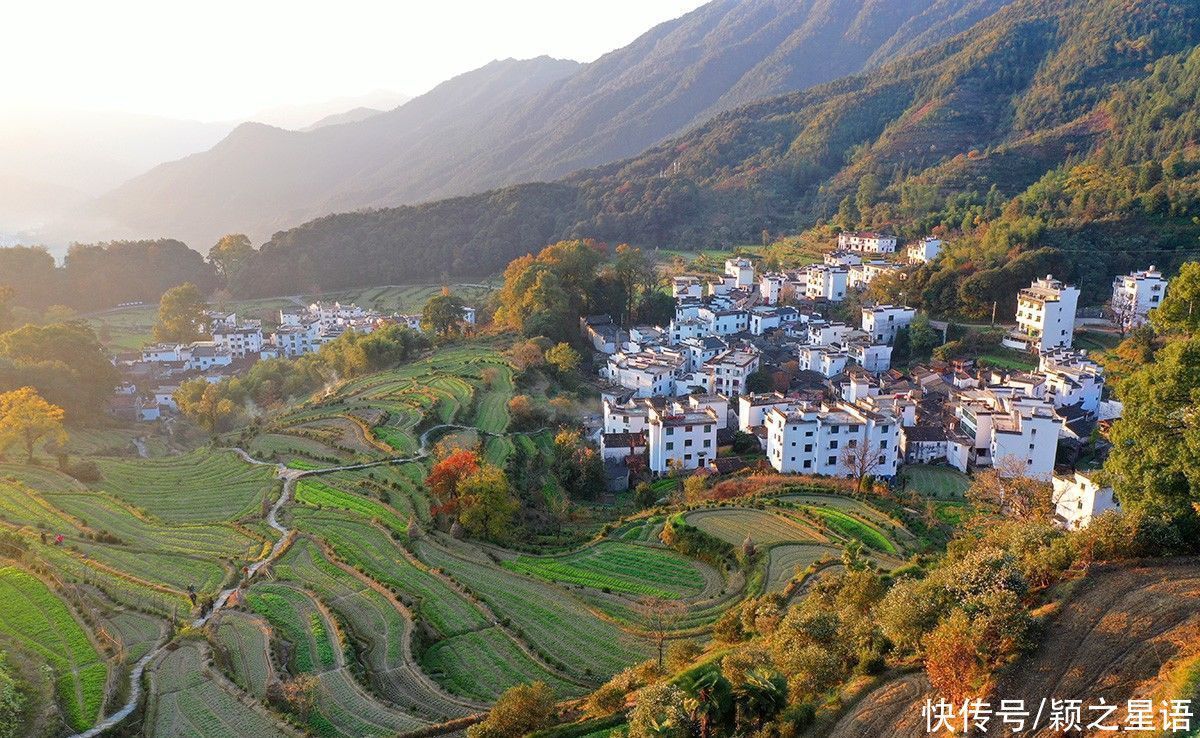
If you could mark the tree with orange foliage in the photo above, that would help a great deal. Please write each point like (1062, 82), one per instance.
(952, 660)
(445, 477)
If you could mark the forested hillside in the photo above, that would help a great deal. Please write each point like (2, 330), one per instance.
(1064, 103)
(518, 121)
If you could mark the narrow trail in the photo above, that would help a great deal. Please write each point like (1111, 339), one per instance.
(290, 477)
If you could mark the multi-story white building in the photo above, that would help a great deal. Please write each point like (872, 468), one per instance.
(824, 282)
(875, 358)
(1078, 499)
(1017, 435)
(763, 319)
(867, 242)
(1045, 316)
(724, 322)
(625, 417)
(881, 322)
(828, 361)
(701, 349)
(647, 373)
(687, 286)
(205, 355)
(859, 276)
(809, 439)
(728, 371)
(924, 251)
(1136, 294)
(238, 340)
(296, 339)
(742, 271)
(825, 333)
(1081, 385)
(753, 408)
(681, 437)
(841, 259)
(681, 329)
(771, 287)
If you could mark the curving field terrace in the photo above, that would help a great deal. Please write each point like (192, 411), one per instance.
(42, 627)
(618, 567)
(200, 487)
(187, 698)
(765, 528)
(783, 561)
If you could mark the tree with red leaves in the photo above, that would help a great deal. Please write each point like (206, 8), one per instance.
(444, 478)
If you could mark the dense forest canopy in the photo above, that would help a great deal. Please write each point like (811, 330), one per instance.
(101, 275)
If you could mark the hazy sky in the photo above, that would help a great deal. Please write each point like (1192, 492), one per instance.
(226, 59)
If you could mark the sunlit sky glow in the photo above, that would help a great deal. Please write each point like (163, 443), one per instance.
(227, 59)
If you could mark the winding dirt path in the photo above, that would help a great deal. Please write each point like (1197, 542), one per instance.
(290, 477)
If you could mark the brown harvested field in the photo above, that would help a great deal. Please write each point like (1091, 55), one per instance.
(1118, 635)
(733, 524)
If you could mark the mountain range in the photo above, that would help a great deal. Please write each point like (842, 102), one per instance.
(993, 110)
(518, 121)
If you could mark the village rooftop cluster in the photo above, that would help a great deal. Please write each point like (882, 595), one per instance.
(674, 394)
(153, 375)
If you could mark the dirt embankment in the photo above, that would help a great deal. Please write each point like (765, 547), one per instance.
(1116, 639)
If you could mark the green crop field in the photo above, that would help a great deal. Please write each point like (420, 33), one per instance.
(852, 527)
(203, 486)
(184, 702)
(547, 617)
(320, 495)
(482, 664)
(618, 567)
(295, 619)
(785, 560)
(245, 640)
(941, 482)
(42, 627)
(765, 528)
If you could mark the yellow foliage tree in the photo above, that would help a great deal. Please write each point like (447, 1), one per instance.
(26, 417)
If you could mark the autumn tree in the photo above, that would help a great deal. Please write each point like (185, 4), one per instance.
(660, 617)
(521, 710)
(442, 314)
(214, 407)
(447, 475)
(661, 712)
(300, 694)
(486, 504)
(859, 457)
(525, 355)
(952, 661)
(1007, 489)
(230, 254)
(26, 418)
(181, 315)
(563, 358)
(64, 362)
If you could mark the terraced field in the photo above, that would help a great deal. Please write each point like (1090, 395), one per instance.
(186, 699)
(618, 567)
(245, 642)
(784, 561)
(482, 664)
(764, 527)
(200, 487)
(42, 628)
(399, 633)
(548, 618)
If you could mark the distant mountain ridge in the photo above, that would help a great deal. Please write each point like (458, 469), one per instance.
(1000, 106)
(515, 121)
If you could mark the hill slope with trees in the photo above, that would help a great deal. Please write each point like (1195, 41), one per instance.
(517, 121)
(1039, 101)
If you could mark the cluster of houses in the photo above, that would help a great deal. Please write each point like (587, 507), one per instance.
(153, 375)
(674, 395)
